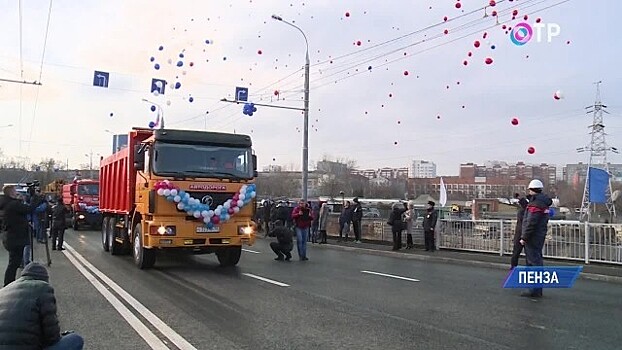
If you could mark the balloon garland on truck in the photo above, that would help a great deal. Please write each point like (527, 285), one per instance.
(194, 207)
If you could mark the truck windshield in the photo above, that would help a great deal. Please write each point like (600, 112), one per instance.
(88, 190)
(202, 161)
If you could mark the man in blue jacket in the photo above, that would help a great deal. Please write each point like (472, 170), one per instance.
(535, 224)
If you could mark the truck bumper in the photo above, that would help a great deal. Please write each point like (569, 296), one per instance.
(181, 239)
(84, 218)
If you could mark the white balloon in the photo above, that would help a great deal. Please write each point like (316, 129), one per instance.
(227, 217)
(184, 73)
(196, 214)
(167, 192)
(168, 103)
(180, 206)
(227, 205)
(217, 212)
(167, 182)
(236, 210)
(206, 220)
(242, 196)
(240, 203)
(210, 213)
(253, 194)
(177, 199)
(243, 188)
(174, 192)
(160, 191)
(170, 61)
(204, 213)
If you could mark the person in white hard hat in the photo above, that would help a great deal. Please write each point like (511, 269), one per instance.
(534, 229)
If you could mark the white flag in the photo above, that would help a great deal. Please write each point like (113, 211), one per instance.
(443, 198)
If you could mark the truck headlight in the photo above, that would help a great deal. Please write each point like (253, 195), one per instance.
(81, 217)
(245, 230)
(164, 230)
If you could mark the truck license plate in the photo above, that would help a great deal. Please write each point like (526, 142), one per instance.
(203, 229)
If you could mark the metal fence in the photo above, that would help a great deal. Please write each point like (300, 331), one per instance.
(569, 240)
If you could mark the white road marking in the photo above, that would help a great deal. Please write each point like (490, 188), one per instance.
(392, 276)
(280, 284)
(250, 251)
(167, 331)
(152, 340)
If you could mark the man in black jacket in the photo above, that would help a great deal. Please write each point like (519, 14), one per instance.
(518, 248)
(17, 234)
(57, 229)
(429, 224)
(357, 217)
(535, 225)
(28, 317)
(284, 245)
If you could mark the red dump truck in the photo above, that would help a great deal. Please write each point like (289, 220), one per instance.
(179, 190)
(82, 199)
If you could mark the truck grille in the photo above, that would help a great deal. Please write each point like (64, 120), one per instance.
(217, 198)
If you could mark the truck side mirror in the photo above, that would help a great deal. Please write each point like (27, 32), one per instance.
(139, 158)
(255, 173)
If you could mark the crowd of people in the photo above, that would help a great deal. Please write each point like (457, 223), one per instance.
(28, 314)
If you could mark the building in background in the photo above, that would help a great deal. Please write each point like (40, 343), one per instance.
(504, 171)
(422, 169)
(575, 173)
(386, 173)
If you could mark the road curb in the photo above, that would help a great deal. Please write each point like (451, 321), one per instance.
(411, 256)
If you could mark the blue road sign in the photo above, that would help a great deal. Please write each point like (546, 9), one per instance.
(241, 93)
(158, 85)
(101, 79)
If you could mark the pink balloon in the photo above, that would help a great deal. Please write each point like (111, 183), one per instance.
(215, 219)
(231, 211)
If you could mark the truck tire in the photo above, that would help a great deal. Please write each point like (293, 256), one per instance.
(229, 256)
(105, 224)
(143, 258)
(114, 247)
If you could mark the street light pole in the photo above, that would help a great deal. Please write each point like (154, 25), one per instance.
(305, 139)
(160, 111)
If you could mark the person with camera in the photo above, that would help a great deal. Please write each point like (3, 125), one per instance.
(17, 234)
(284, 244)
(302, 218)
(28, 316)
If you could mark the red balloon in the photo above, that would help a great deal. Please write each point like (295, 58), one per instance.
(347, 14)
(492, 3)
(358, 43)
(395, 143)
(538, 20)
(438, 117)
(191, 64)
(446, 31)
(276, 92)
(405, 72)
(231, 211)
(470, 54)
(526, 17)
(458, 5)
(399, 122)
(515, 12)
(531, 150)
(476, 43)
(514, 121)
(465, 62)
(488, 60)
(445, 18)
(259, 52)
(494, 13)
(215, 219)
(390, 95)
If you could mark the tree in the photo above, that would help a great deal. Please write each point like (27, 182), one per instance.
(277, 185)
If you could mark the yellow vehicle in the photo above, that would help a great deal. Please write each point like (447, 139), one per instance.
(179, 190)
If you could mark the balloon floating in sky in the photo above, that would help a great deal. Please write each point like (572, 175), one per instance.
(493, 47)
(458, 5)
(161, 48)
(111, 114)
(191, 99)
(369, 68)
(558, 95)
(249, 109)
(259, 52)
(531, 150)
(156, 66)
(492, 3)
(276, 92)
(405, 72)
(168, 103)
(395, 143)
(514, 121)
(476, 43)
(152, 59)
(180, 63)
(177, 85)
(347, 14)
(488, 60)
(152, 125)
(153, 108)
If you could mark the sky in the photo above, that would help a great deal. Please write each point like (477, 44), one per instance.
(363, 105)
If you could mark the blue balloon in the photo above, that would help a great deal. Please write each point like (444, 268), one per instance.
(153, 108)
(151, 125)
(210, 225)
(493, 47)
(180, 63)
(157, 66)
(369, 68)
(181, 55)
(182, 194)
(191, 99)
(161, 48)
(170, 198)
(152, 59)
(177, 85)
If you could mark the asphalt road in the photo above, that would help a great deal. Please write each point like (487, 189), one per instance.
(324, 303)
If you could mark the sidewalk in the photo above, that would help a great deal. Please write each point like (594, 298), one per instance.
(592, 271)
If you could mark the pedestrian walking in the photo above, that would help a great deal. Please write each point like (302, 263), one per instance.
(534, 229)
(315, 223)
(57, 230)
(28, 316)
(17, 233)
(410, 217)
(429, 224)
(396, 223)
(323, 222)
(302, 218)
(345, 218)
(517, 248)
(284, 244)
(357, 219)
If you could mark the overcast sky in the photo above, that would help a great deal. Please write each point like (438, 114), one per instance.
(377, 116)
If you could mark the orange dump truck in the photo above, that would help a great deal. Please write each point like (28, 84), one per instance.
(182, 190)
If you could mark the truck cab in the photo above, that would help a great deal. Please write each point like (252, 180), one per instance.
(82, 197)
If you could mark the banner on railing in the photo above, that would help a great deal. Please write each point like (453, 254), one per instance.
(542, 277)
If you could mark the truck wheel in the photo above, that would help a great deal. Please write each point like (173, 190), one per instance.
(114, 247)
(229, 256)
(143, 258)
(105, 233)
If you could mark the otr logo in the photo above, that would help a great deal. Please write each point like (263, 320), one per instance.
(523, 32)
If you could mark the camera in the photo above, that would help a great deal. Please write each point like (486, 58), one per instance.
(32, 187)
